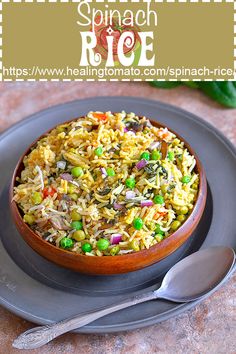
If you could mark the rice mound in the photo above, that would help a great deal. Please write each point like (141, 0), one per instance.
(137, 184)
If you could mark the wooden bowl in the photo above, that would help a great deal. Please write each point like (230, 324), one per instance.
(111, 264)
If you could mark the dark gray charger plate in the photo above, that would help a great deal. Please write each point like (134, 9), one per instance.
(42, 292)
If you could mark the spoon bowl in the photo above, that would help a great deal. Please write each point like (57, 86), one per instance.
(188, 280)
(197, 274)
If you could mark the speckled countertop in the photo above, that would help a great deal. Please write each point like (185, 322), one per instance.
(210, 327)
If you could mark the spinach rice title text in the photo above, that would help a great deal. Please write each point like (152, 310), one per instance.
(117, 47)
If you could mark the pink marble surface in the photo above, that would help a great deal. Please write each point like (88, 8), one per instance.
(209, 328)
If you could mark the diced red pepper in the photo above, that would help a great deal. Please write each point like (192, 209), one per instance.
(100, 116)
(49, 191)
(158, 214)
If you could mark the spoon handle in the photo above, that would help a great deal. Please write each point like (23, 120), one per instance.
(38, 336)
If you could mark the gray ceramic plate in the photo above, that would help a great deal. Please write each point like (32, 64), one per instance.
(42, 292)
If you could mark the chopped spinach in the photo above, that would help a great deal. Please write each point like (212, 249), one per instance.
(109, 206)
(134, 125)
(151, 169)
(104, 191)
(163, 171)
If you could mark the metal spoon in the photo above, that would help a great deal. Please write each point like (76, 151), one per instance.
(188, 280)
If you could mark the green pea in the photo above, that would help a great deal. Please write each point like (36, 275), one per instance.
(159, 237)
(77, 171)
(164, 188)
(75, 216)
(71, 188)
(158, 199)
(138, 223)
(181, 218)
(130, 182)
(175, 225)
(66, 243)
(171, 155)
(114, 250)
(29, 219)
(145, 155)
(37, 198)
(79, 235)
(158, 230)
(182, 210)
(134, 244)
(98, 151)
(191, 197)
(102, 244)
(86, 247)
(110, 172)
(186, 179)
(155, 155)
(74, 196)
(60, 129)
(76, 225)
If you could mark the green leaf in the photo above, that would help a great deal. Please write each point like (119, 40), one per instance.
(224, 92)
(165, 84)
(192, 84)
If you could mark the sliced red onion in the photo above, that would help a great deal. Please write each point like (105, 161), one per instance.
(104, 172)
(61, 164)
(57, 223)
(146, 202)
(116, 238)
(154, 145)
(66, 197)
(42, 223)
(141, 164)
(125, 251)
(66, 177)
(36, 207)
(131, 131)
(117, 206)
(130, 195)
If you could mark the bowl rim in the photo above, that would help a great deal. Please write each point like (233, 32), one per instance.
(192, 219)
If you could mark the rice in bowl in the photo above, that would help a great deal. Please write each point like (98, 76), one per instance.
(107, 184)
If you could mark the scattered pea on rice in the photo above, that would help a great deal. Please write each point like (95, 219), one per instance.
(107, 184)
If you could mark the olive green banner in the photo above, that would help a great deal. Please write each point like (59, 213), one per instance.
(117, 40)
